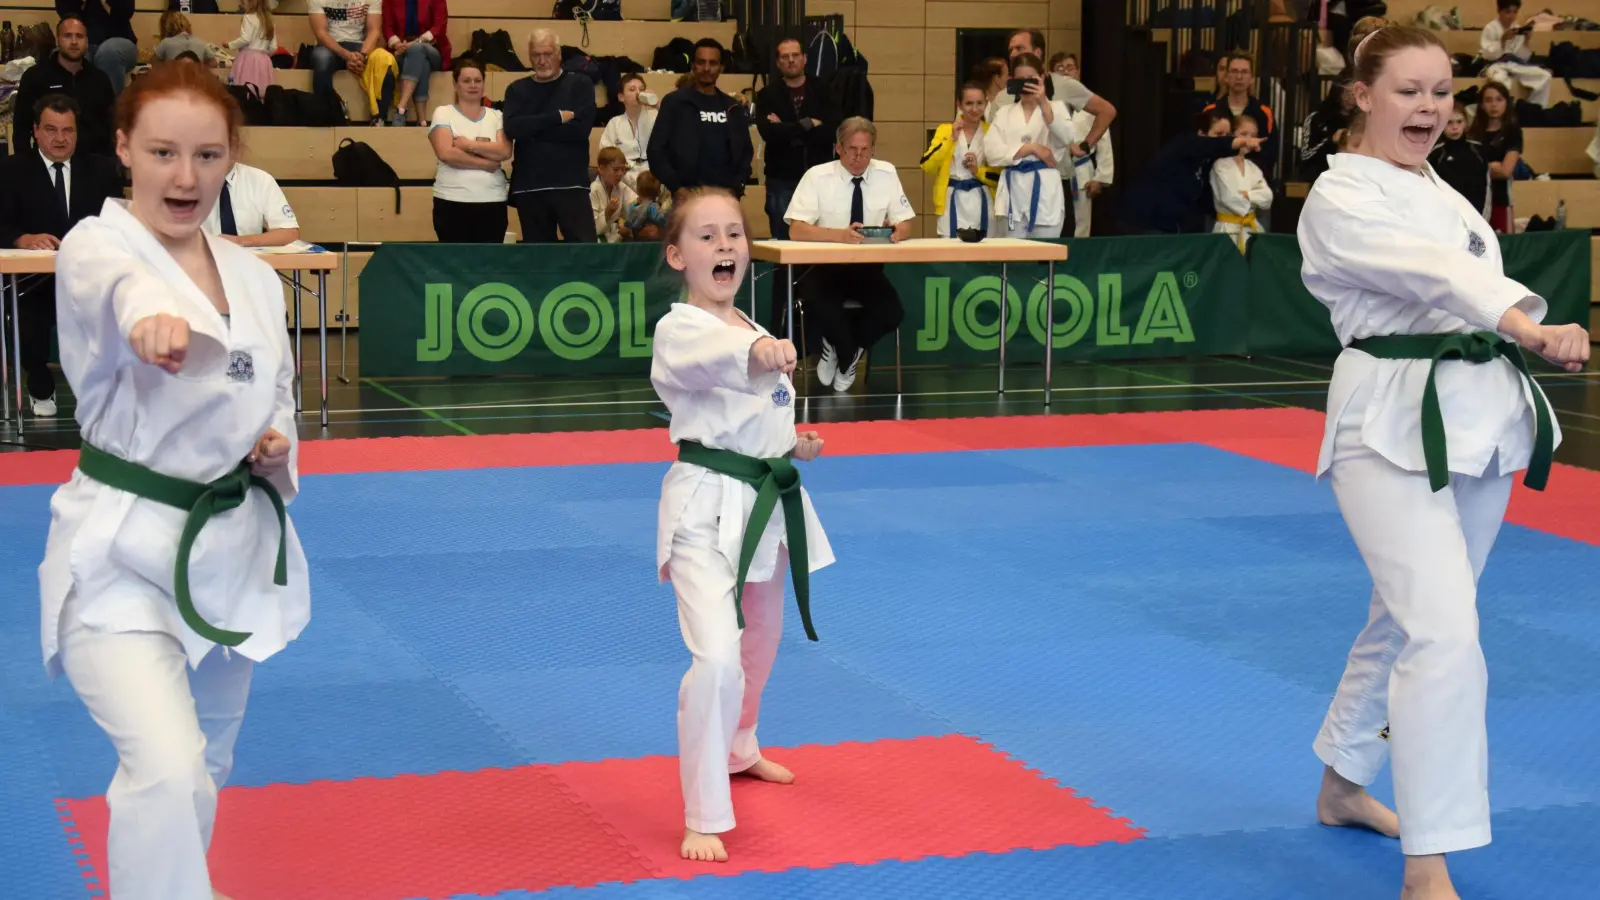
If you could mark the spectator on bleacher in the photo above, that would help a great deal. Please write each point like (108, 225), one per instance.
(1495, 127)
(345, 32)
(1168, 196)
(1462, 163)
(43, 194)
(796, 117)
(549, 116)
(630, 132)
(609, 198)
(961, 198)
(176, 39)
(1058, 87)
(415, 31)
(252, 62)
(469, 185)
(1503, 38)
(702, 137)
(1238, 190)
(833, 201)
(66, 72)
(252, 211)
(1323, 130)
(1239, 101)
(113, 48)
(1029, 140)
(1089, 175)
(645, 219)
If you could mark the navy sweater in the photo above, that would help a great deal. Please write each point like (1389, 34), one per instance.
(547, 152)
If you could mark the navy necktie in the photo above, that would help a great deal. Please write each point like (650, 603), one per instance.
(225, 208)
(858, 204)
(61, 191)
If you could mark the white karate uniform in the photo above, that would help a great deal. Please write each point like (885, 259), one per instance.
(1011, 129)
(1098, 166)
(968, 204)
(1392, 252)
(108, 615)
(633, 140)
(699, 369)
(1229, 186)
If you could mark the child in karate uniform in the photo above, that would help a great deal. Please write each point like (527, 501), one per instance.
(1239, 190)
(733, 516)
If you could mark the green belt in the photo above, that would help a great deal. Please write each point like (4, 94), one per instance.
(202, 501)
(773, 479)
(1474, 347)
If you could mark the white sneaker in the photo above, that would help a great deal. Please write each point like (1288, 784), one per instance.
(827, 364)
(847, 375)
(44, 409)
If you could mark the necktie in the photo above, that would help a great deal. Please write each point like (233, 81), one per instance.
(61, 191)
(858, 204)
(225, 209)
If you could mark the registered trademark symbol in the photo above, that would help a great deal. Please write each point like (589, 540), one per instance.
(1190, 279)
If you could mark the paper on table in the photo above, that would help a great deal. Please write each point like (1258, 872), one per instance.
(293, 247)
(11, 252)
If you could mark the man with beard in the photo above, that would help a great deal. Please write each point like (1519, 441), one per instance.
(796, 117)
(702, 136)
(66, 72)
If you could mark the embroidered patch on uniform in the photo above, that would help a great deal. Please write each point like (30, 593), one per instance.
(288, 213)
(1475, 244)
(1384, 733)
(241, 368)
(780, 397)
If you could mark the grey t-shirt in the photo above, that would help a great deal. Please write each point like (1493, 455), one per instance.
(170, 48)
(1068, 90)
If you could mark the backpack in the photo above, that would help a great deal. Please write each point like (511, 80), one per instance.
(356, 164)
(852, 92)
(676, 56)
(822, 56)
(251, 104)
(194, 7)
(291, 108)
(495, 51)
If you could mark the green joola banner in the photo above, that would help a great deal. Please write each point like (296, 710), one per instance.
(440, 309)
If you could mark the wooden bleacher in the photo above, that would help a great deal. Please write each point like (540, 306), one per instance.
(1539, 42)
(654, 10)
(1559, 93)
(1540, 198)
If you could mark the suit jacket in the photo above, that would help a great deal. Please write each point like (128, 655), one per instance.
(28, 202)
(432, 15)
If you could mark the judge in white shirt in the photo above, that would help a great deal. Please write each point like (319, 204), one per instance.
(630, 132)
(1028, 139)
(1239, 190)
(832, 202)
(1410, 270)
(253, 211)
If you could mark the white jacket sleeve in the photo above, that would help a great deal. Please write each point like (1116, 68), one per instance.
(698, 353)
(999, 147)
(286, 479)
(1227, 187)
(1369, 245)
(1104, 164)
(1061, 124)
(1260, 191)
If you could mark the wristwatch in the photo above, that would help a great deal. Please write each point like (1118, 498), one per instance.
(1084, 146)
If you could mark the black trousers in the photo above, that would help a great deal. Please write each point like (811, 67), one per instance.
(37, 307)
(455, 222)
(542, 212)
(825, 289)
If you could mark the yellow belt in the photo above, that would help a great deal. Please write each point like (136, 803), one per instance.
(1248, 220)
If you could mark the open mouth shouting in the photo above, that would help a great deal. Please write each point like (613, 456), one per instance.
(1421, 136)
(724, 271)
(182, 210)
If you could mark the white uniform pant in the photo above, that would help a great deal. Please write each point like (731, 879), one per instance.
(1003, 228)
(1082, 213)
(719, 700)
(1417, 667)
(174, 732)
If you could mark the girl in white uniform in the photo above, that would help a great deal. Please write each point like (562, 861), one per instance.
(1421, 467)
(174, 344)
(1239, 190)
(1027, 139)
(961, 198)
(726, 383)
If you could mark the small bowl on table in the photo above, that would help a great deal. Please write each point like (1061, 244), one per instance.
(970, 235)
(877, 234)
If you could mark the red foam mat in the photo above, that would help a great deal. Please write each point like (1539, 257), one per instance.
(582, 824)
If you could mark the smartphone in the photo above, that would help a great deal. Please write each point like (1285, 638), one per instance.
(1015, 87)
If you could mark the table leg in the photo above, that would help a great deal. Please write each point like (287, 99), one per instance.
(5, 356)
(752, 291)
(299, 347)
(1049, 327)
(322, 338)
(1005, 304)
(16, 346)
(788, 323)
(344, 314)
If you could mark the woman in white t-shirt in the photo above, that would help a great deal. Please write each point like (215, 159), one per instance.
(630, 132)
(470, 187)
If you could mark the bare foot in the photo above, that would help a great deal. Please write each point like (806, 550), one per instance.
(702, 847)
(767, 770)
(1427, 879)
(1345, 804)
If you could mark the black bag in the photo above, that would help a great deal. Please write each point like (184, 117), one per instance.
(356, 164)
(291, 108)
(194, 7)
(677, 55)
(495, 51)
(248, 96)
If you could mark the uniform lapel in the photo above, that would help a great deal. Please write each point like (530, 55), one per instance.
(201, 314)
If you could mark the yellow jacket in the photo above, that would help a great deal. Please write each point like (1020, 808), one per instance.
(380, 63)
(936, 162)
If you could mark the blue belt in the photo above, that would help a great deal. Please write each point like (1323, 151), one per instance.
(1080, 161)
(969, 184)
(1025, 167)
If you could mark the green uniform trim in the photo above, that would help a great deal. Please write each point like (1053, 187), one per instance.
(773, 479)
(1473, 347)
(201, 501)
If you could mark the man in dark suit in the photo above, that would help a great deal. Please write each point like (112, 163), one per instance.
(43, 193)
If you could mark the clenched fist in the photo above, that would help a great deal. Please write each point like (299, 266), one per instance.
(1564, 345)
(807, 446)
(772, 355)
(271, 452)
(161, 340)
